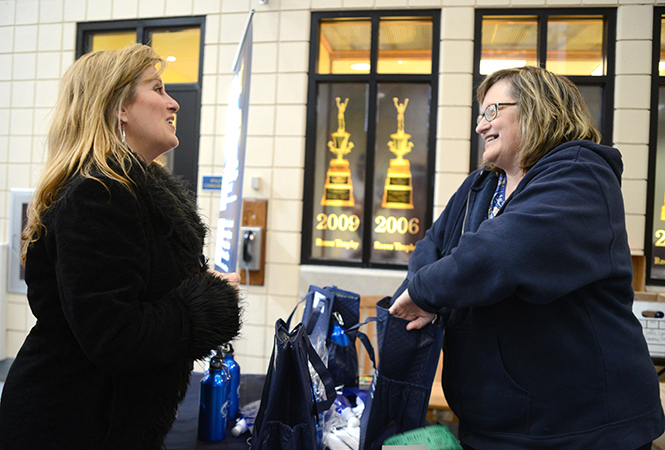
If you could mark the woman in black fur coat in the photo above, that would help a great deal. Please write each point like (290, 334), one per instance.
(116, 278)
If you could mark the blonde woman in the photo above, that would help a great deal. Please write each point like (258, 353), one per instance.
(116, 278)
(530, 267)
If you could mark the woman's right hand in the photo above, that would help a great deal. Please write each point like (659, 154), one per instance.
(404, 308)
(232, 278)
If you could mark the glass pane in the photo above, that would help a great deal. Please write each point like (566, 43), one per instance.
(661, 63)
(593, 97)
(405, 45)
(180, 47)
(339, 179)
(508, 41)
(112, 40)
(344, 46)
(658, 239)
(400, 175)
(575, 45)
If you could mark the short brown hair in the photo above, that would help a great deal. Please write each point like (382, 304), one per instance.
(550, 110)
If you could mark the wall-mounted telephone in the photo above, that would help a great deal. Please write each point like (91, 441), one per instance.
(249, 250)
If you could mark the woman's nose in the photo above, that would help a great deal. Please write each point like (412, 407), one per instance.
(172, 104)
(482, 125)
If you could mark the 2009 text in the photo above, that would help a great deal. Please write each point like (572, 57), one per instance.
(341, 222)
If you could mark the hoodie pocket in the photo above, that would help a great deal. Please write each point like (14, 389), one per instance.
(480, 390)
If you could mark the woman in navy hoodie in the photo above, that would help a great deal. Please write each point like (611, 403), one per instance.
(530, 267)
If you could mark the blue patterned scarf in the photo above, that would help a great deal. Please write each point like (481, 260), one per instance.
(498, 198)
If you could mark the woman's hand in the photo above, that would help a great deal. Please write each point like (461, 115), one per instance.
(232, 278)
(404, 308)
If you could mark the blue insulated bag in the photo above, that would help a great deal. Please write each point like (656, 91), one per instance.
(399, 395)
(341, 342)
(331, 318)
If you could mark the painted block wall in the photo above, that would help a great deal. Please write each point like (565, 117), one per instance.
(37, 40)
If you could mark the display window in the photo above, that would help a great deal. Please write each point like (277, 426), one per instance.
(370, 137)
(577, 43)
(655, 229)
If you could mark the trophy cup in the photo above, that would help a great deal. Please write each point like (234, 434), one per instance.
(338, 190)
(398, 192)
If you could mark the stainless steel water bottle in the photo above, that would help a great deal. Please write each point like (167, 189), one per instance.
(214, 406)
(234, 391)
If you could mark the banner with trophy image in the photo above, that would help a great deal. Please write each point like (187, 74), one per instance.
(400, 180)
(657, 251)
(398, 191)
(339, 186)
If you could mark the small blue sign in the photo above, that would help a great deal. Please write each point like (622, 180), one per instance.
(211, 183)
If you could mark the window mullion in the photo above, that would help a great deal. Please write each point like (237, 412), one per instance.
(541, 55)
(372, 90)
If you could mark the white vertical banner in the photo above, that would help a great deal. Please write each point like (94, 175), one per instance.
(230, 201)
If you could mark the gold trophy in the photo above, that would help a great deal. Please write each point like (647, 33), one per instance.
(338, 190)
(398, 192)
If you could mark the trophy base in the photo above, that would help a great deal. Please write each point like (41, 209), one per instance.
(338, 190)
(394, 198)
(398, 192)
(334, 196)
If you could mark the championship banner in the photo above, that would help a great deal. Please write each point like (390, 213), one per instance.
(230, 201)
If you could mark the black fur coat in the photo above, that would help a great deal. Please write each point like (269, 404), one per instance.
(124, 306)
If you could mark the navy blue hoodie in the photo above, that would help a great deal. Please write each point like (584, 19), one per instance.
(542, 349)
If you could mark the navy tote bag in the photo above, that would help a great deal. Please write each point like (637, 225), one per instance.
(399, 395)
(289, 411)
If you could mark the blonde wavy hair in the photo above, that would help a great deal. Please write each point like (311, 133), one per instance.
(550, 109)
(85, 134)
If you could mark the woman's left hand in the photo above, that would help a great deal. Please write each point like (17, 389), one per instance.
(404, 308)
(232, 278)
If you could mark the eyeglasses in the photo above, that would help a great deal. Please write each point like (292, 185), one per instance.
(491, 112)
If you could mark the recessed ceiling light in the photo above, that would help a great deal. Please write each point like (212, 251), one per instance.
(360, 66)
(170, 58)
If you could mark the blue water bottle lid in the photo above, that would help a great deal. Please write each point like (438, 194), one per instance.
(216, 363)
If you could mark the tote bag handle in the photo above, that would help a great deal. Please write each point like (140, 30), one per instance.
(326, 379)
(364, 338)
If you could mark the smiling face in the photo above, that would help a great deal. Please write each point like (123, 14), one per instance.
(501, 135)
(149, 118)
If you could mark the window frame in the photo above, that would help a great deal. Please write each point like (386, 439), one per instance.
(657, 81)
(605, 82)
(142, 27)
(185, 164)
(373, 80)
